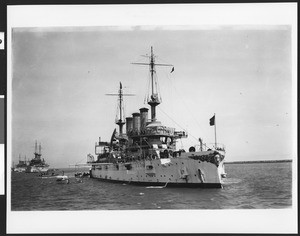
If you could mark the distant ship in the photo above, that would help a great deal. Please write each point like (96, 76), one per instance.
(147, 155)
(37, 164)
(21, 166)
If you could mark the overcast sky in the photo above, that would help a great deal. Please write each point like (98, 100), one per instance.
(243, 74)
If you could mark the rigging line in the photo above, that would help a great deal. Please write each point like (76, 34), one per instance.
(193, 137)
(170, 87)
(145, 94)
(158, 88)
(147, 89)
(171, 118)
(171, 78)
(137, 77)
(155, 81)
(187, 107)
(160, 60)
(179, 125)
(117, 111)
(123, 110)
(80, 160)
(149, 86)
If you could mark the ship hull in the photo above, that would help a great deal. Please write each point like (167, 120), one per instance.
(36, 169)
(20, 169)
(166, 184)
(170, 172)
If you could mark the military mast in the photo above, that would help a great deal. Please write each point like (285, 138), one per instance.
(40, 150)
(36, 153)
(154, 99)
(120, 122)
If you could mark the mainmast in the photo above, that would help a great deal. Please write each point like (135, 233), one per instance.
(40, 150)
(37, 150)
(121, 121)
(154, 99)
(36, 154)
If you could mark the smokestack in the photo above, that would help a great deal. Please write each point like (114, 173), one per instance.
(136, 121)
(129, 124)
(144, 117)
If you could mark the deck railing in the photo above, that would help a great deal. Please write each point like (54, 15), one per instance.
(217, 146)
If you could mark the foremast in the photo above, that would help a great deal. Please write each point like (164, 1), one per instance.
(37, 151)
(120, 121)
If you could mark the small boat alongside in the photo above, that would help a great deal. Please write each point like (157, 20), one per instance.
(82, 174)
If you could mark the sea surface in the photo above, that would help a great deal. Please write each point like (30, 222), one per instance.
(247, 186)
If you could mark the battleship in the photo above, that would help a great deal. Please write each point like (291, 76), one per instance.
(37, 164)
(21, 166)
(146, 154)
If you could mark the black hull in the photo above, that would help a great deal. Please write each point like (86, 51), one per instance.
(164, 184)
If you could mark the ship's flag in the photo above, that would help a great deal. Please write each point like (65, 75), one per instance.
(212, 121)
(172, 70)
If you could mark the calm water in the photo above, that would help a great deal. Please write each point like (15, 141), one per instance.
(259, 186)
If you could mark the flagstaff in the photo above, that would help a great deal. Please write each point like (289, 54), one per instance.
(212, 122)
(215, 131)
